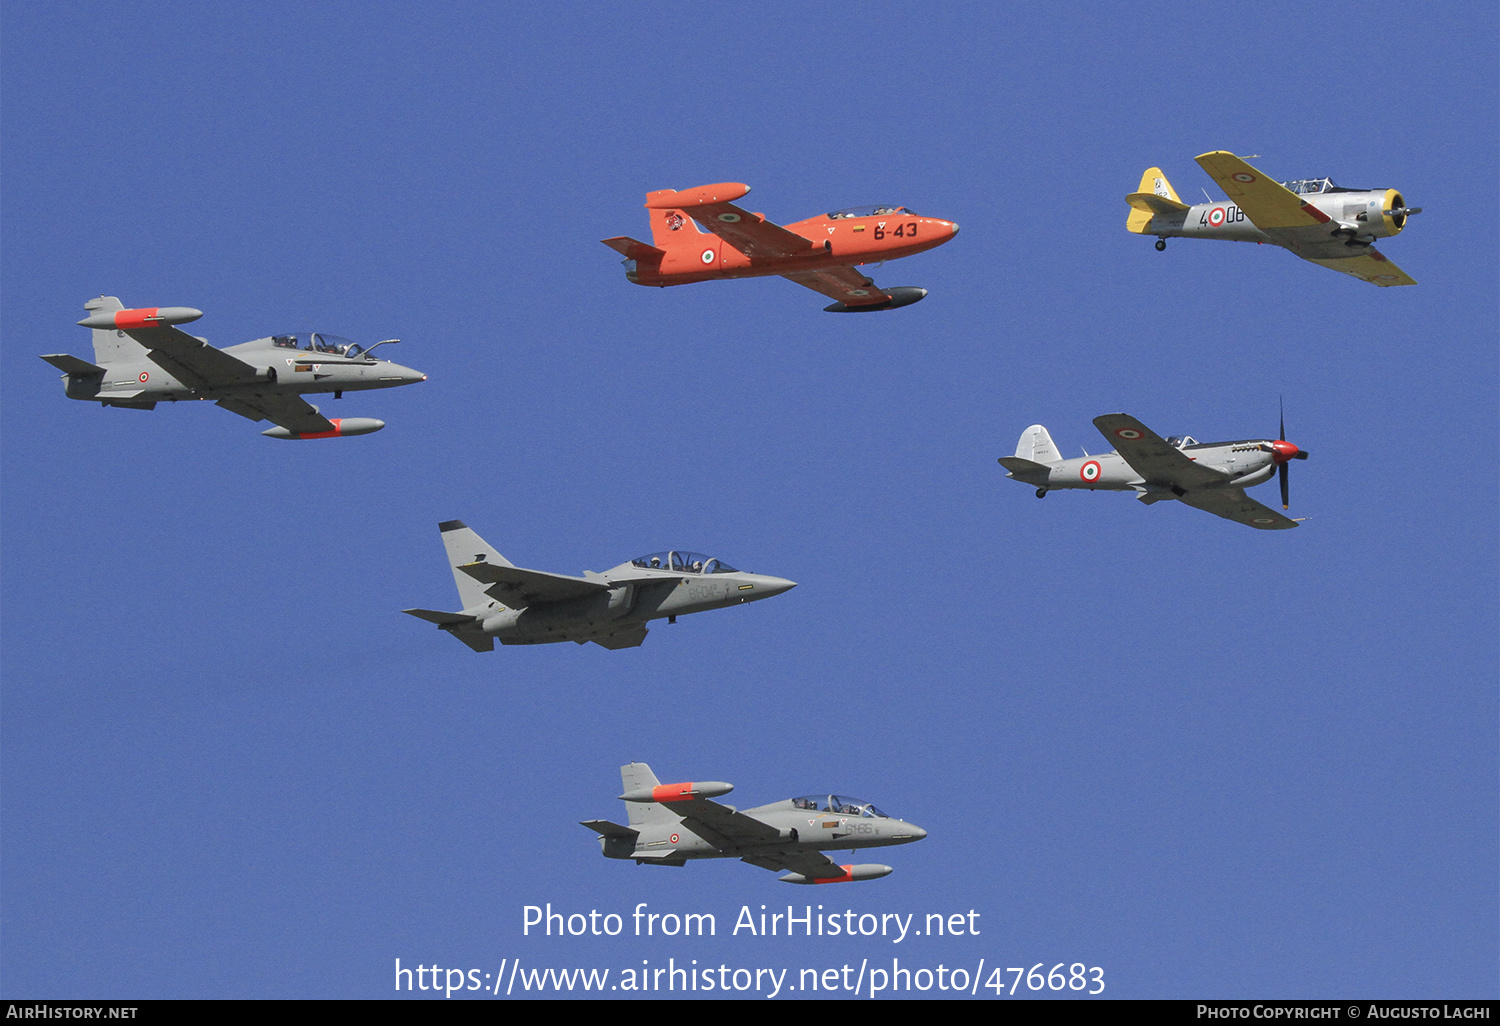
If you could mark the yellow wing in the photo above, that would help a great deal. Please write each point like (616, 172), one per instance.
(1372, 266)
(1265, 201)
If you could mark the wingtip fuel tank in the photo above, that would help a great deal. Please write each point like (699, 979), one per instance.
(341, 427)
(145, 317)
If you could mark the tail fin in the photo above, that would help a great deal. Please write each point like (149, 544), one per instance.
(464, 546)
(670, 227)
(1037, 446)
(637, 776)
(110, 344)
(1154, 195)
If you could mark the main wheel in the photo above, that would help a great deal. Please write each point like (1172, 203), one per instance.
(1041, 493)
(1161, 245)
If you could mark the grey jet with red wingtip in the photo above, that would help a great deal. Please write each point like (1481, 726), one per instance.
(143, 360)
(530, 607)
(672, 823)
(1210, 476)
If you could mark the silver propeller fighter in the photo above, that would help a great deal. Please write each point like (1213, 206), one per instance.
(143, 360)
(1321, 222)
(671, 823)
(529, 607)
(1210, 476)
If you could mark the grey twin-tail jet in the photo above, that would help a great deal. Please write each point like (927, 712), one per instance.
(144, 360)
(530, 607)
(1210, 476)
(671, 823)
(1321, 222)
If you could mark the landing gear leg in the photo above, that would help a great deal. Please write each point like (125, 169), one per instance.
(1041, 493)
(1161, 245)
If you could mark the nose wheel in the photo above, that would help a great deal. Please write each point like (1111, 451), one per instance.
(1161, 245)
(1041, 493)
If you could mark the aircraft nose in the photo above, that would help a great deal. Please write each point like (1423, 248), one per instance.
(765, 587)
(916, 832)
(1281, 452)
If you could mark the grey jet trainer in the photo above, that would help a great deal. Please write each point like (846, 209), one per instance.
(1211, 476)
(671, 823)
(143, 360)
(1322, 223)
(530, 607)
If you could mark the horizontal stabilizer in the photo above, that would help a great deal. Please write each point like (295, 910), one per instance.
(1154, 204)
(605, 828)
(73, 365)
(1023, 468)
(441, 618)
(634, 249)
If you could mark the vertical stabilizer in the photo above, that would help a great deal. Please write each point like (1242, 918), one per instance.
(637, 776)
(1153, 183)
(464, 546)
(671, 228)
(1037, 446)
(110, 344)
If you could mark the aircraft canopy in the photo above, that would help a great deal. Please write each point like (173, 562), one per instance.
(1311, 186)
(1181, 441)
(839, 215)
(317, 342)
(683, 562)
(839, 804)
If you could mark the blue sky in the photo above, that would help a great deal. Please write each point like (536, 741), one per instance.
(1213, 762)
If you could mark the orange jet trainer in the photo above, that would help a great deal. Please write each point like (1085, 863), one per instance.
(820, 253)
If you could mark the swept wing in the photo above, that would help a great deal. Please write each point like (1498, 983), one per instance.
(1294, 223)
(749, 233)
(518, 588)
(812, 864)
(199, 365)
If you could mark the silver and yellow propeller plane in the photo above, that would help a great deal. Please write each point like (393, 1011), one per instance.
(144, 360)
(1210, 476)
(671, 823)
(531, 607)
(1323, 223)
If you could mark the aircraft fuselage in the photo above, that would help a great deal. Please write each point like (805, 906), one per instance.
(805, 829)
(836, 242)
(1246, 463)
(1361, 215)
(635, 596)
(140, 380)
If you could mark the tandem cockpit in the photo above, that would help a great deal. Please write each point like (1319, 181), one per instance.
(1181, 441)
(1314, 186)
(683, 563)
(838, 805)
(875, 211)
(331, 345)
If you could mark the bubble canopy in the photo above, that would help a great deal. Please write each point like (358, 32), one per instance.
(839, 804)
(683, 562)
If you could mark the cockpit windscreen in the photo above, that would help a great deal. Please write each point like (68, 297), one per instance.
(838, 804)
(683, 563)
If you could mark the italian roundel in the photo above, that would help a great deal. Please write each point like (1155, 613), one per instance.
(1090, 471)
